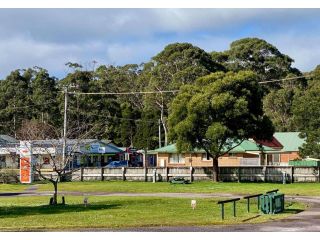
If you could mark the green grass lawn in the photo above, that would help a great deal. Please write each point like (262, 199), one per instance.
(311, 189)
(13, 187)
(33, 213)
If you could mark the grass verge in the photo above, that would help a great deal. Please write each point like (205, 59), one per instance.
(16, 187)
(309, 189)
(33, 213)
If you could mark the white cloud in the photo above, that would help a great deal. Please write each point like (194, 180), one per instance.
(304, 49)
(52, 37)
(23, 53)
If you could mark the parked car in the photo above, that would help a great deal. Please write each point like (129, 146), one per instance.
(179, 180)
(115, 164)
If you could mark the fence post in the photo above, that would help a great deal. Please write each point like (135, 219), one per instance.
(239, 174)
(266, 174)
(154, 175)
(123, 173)
(291, 174)
(145, 174)
(167, 174)
(81, 174)
(191, 176)
(102, 172)
(318, 174)
(264, 170)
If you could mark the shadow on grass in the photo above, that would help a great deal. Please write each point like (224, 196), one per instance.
(293, 211)
(18, 211)
(10, 194)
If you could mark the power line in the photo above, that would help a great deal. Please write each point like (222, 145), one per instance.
(121, 118)
(33, 105)
(176, 90)
(146, 92)
(284, 79)
(122, 93)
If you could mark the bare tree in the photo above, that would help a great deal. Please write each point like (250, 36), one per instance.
(38, 134)
(36, 130)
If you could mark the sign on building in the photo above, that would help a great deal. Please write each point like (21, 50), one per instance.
(25, 162)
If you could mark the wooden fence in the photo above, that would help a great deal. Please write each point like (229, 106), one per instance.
(227, 174)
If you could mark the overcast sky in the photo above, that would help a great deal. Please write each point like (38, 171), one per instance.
(51, 37)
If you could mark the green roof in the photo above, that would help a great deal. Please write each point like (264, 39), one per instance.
(289, 140)
(245, 146)
(172, 149)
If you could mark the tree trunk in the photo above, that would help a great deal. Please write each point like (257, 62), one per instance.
(55, 195)
(145, 158)
(215, 170)
(164, 128)
(165, 133)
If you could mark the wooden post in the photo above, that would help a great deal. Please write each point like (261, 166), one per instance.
(102, 172)
(154, 175)
(291, 174)
(81, 174)
(123, 173)
(248, 204)
(264, 171)
(318, 174)
(191, 169)
(239, 174)
(167, 174)
(145, 174)
(222, 211)
(226, 201)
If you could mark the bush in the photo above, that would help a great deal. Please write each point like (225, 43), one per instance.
(9, 176)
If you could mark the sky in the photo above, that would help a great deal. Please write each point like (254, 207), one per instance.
(49, 38)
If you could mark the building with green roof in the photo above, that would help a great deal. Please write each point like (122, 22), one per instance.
(290, 141)
(283, 147)
(247, 153)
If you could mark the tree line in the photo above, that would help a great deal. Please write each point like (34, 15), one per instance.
(33, 97)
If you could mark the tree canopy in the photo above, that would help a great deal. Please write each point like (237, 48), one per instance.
(217, 113)
(259, 56)
(306, 111)
(33, 94)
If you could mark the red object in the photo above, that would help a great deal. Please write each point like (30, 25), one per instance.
(25, 170)
(274, 143)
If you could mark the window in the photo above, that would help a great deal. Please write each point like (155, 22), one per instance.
(2, 161)
(205, 157)
(176, 158)
(276, 158)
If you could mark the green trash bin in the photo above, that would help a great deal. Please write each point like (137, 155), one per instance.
(271, 203)
(277, 201)
(264, 204)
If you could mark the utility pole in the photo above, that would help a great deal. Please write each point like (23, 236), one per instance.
(65, 90)
(14, 121)
(159, 133)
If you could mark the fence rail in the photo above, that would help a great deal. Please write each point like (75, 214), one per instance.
(227, 174)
